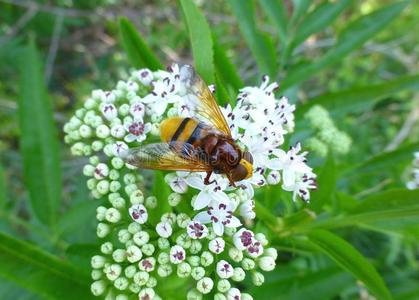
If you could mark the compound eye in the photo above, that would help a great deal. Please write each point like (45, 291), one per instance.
(239, 173)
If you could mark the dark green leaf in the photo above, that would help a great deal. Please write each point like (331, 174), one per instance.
(41, 272)
(385, 160)
(326, 185)
(277, 13)
(351, 38)
(38, 142)
(300, 7)
(392, 200)
(318, 19)
(139, 54)
(3, 192)
(358, 97)
(261, 45)
(227, 71)
(346, 256)
(201, 40)
(287, 283)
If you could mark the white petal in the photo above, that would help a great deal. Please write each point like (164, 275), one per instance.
(234, 222)
(275, 164)
(201, 201)
(218, 228)
(196, 182)
(220, 197)
(130, 138)
(203, 217)
(288, 177)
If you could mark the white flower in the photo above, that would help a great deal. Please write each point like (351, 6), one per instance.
(224, 269)
(164, 229)
(137, 110)
(138, 213)
(246, 210)
(216, 245)
(109, 111)
(147, 264)
(255, 249)
(120, 149)
(302, 186)
(243, 238)
(291, 163)
(220, 214)
(177, 254)
(196, 230)
(177, 182)
(208, 192)
(145, 76)
(233, 294)
(137, 131)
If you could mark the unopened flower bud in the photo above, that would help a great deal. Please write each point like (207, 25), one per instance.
(205, 285)
(113, 215)
(239, 274)
(266, 263)
(206, 259)
(98, 261)
(184, 270)
(164, 270)
(102, 230)
(119, 255)
(141, 238)
(151, 202)
(198, 273)
(106, 248)
(121, 283)
(133, 254)
(98, 287)
(248, 264)
(223, 285)
(258, 279)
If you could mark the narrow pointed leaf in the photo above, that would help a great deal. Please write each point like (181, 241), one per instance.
(276, 11)
(201, 40)
(351, 38)
(41, 272)
(225, 68)
(318, 19)
(38, 142)
(260, 44)
(326, 185)
(357, 98)
(137, 50)
(350, 259)
(3, 192)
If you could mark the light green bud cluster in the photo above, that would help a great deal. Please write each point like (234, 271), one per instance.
(326, 135)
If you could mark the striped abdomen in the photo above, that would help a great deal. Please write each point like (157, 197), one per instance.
(180, 129)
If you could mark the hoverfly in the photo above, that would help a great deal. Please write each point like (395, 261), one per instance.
(201, 143)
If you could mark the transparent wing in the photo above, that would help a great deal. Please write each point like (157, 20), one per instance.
(203, 104)
(176, 156)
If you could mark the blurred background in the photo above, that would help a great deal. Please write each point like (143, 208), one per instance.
(357, 59)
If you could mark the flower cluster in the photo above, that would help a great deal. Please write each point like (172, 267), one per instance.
(200, 238)
(413, 183)
(327, 136)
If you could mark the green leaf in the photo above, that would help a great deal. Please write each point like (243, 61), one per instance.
(389, 201)
(41, 272)
(347, 257)
(38, 141)
(326, 185)
(261, 45)
(201, 40)
(355, 98)
(139, 54)
(351, 38)
(227, 71)
(318, 19)
(398, 204)
(383, 161)
(288, 283)
(300, 7)
(3, 192)
(277, 13)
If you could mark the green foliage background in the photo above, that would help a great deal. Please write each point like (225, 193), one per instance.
(358, 59)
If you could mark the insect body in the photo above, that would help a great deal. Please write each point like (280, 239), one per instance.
(199, 143)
